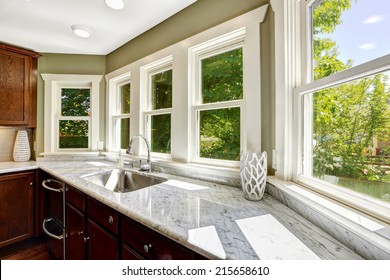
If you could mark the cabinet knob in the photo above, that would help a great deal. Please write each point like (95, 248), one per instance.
(80, 232)
(31, 183)
(147, 248)
(86, 239)
(110, 220)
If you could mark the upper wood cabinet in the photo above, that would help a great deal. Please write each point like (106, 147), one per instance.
(18, 86)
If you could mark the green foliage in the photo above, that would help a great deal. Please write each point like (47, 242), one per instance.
(220, 134)
(74, 133)
(222, 80)
(346, 118)
(222, 77)
(161, 133)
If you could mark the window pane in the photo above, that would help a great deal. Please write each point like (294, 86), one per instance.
(124, 99)
(351, 135)
(161, 133)
(75, 101)
(162, 90)
(122, 128)
(73, 134)
(348, 33)
(222, 77)
(220, 134)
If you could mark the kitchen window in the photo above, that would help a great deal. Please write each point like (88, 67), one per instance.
(343, 103)
(74, 120)
(119, 118)
(71, 113)
(158, 105)
(218, 103)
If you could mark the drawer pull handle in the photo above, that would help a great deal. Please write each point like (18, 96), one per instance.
(147, 248)
(58, 237)
(44, 184)
(110, 220)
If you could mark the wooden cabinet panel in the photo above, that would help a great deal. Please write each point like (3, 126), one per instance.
(152, 245)
(75, 197)
(75, 234)
(102, 214)
(129, 254)
(18, 86)
(17, 207)
(101, 245)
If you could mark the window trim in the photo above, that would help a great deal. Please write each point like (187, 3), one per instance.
(52, 109)
(221, 44)
(112, 108)
(146, 73)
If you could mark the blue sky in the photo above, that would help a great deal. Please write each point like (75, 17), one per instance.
(365, 31)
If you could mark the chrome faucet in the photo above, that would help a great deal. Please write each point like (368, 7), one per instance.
(148, 165)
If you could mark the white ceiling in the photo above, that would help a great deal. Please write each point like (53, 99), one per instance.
(45, 25)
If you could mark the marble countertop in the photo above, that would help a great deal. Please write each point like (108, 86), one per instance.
(213, 220)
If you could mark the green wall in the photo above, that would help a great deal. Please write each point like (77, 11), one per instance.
(196, 18)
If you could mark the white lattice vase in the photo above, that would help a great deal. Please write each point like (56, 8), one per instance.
(22, 147)
(253, 171)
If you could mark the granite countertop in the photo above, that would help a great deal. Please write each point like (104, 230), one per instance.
(213, 220)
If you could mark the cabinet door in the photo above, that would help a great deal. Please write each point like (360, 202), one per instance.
(15, 92)
(16, 207)
(101, 245)
(129, 254)
(75, 234)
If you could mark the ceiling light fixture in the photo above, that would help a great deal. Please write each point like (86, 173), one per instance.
(81, 31)
(115, 4)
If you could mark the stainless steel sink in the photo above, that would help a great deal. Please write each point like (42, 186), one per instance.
(124, 181)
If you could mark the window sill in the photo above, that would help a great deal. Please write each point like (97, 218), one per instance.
(216, 174)
(368, 237)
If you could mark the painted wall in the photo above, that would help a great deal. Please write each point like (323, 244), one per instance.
(196, 18)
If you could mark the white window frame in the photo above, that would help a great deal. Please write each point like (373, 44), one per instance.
(226, 43)
(113, 103)
(293, 34)
(52, 109)
(146, 73)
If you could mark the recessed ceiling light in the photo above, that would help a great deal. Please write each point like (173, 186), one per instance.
(81, 31)
(115, 4)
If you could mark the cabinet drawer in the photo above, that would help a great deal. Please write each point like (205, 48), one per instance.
(103, 215)
(75, 197)
(152, 245)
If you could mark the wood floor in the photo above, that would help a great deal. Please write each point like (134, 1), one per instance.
(33, 249)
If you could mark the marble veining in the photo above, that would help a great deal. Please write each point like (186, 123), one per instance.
(366, 238)
(200, 209)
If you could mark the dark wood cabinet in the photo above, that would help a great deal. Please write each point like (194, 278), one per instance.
(75, 237)
(102, 229)
(101, 245)
(18, 86)
(149, 244)
(16, 207)
(91, 228)
(96, 231)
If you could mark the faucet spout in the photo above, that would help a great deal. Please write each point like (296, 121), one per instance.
(143, 167)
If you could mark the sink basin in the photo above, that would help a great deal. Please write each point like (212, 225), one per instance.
(124, 181)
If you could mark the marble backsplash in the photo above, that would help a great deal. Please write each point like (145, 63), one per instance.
(7, 140)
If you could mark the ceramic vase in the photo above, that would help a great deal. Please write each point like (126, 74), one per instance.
(253, 172)
(22, 147)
